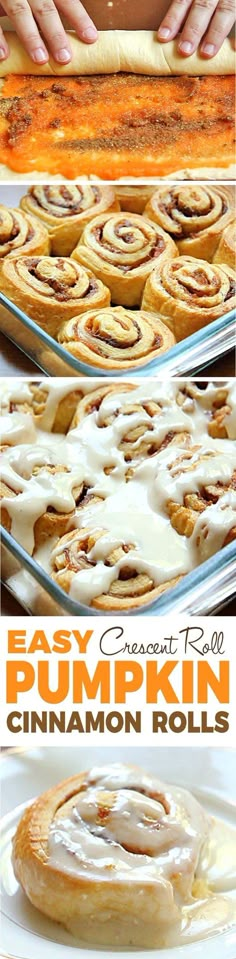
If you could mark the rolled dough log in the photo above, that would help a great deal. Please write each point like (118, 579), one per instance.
(129, 51)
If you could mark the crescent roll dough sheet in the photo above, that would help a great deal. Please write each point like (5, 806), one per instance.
(128, 51)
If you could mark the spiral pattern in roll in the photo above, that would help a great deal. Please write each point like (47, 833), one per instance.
(189, 293)
(116, 338)
(66, 208)
(89, 549)
(52, 289)
(112, 853)
(193, 215)
(122, 249)
(21, 234)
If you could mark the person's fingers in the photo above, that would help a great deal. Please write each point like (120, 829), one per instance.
(51, 27)
(172, 23)
(4, 50)
(79, 19)
(220, 26)
(23, 21)
(195, 26)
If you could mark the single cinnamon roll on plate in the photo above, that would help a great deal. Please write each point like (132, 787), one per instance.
(122, 249)
(194, 215)
(51, 289)
(188, 293)
(21, 235)
(112, 854)
(64, 209)
(115, 338)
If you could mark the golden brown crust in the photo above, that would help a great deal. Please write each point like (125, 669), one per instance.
(226, 250)
(21, 235)
(133, 199)
(122, 249)
(194, 215)
(115, 338)
(189, 293)
(51, 289)
(65, 210)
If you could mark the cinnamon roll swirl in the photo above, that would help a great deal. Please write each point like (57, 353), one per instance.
(101, 572)
(226, 250)
(21, 235)
(194, 479)
(51, 289)
(65, 209)
(122, 249)
(188, 293)
(193, 215)
(115, 338)
(112, 854)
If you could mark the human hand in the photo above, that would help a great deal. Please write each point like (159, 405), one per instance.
(209, 21)
(36, 21)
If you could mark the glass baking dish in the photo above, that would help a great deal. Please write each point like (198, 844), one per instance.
(188, 357)
(202, 592)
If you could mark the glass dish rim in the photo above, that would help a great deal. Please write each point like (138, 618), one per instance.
(184, 349)
(164, 604)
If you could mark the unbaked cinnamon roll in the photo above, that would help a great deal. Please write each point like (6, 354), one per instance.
(65, 209)
(193, 215)
(112, 854)
(103, 573)
(21, 235)
(188, 293)
(51, 289)
(115, 338)
(226, 250)
(122, 249)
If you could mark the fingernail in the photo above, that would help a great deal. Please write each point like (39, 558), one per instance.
(186, 46)
(89, 34)
(164, 33)
(3, 54)
(63, 56)
(209, 49)
(39, 56)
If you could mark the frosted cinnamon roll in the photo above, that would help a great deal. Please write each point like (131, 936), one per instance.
(48, 405)
(21, 235)
(51, 289)
(115, 338)
(133, 199)
(103, 572)
(193, 215)
(51, 495)
(226, 250)
(91, 402)
(188, 294)
(64, 209)
(122, 249)
(112, 854)
(199, 481)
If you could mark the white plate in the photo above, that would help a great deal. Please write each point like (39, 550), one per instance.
(25, 933)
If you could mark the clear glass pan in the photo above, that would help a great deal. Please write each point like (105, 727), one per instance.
(189, 356)
(200, 593)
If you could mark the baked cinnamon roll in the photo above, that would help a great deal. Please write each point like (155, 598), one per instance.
(21, 235)
(86, 563)
(122, 249)
(188, 293)
(51, 289)
(112, 854)
(194, 215)
(65, 209)
(133, 199)
(226, 250)
(200, 481)
(115, 338)
(53, 406)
